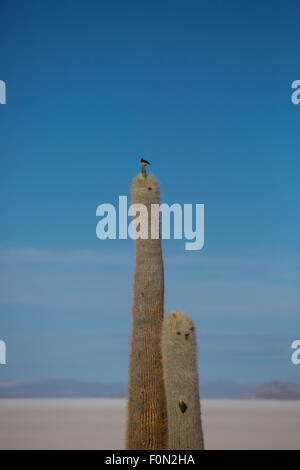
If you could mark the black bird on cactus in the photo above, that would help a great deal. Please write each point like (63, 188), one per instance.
(145, 162)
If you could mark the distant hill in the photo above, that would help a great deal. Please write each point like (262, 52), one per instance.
(208, 389)
(275, 391)
(77, 389)
(223, 389)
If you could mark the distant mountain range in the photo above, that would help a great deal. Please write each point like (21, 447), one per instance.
(276, 391)
(209, 389)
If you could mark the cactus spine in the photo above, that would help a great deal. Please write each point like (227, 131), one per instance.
(147, 412)
(179, 351)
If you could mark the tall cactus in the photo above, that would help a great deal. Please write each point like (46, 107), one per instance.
(147, 412)
(179, 352)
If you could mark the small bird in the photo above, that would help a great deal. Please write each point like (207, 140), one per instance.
(145, 162)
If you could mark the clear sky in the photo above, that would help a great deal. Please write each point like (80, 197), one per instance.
(202, 89)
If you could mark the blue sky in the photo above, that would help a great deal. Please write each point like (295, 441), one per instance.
(202, 90)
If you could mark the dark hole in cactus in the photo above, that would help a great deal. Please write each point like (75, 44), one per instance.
(186, 335)
(149, 188)
(178, 332)
(182, 406)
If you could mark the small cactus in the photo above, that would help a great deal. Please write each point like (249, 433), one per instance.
(179, 351)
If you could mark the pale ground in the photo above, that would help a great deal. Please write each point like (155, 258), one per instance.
(100, 424)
